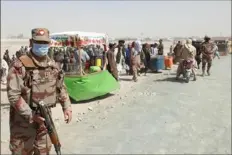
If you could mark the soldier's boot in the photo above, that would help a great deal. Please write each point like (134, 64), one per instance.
(208, 72)
(208, 69)
(203, 73)
(203, 69)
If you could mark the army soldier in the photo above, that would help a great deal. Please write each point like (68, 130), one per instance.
(32, 78)
(160, 47)
(207, 50)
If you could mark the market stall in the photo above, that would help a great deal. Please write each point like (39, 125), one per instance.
(84, 38)
(82, 86)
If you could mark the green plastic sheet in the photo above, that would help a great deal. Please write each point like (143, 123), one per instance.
(90, 86)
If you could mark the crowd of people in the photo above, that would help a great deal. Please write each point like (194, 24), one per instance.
(133, 57)
(117, 58)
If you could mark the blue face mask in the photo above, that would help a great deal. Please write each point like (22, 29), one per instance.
(40, 49)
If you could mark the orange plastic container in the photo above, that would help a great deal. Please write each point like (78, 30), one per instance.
(168, 61)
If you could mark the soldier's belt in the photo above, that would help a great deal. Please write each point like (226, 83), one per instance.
(35, 106)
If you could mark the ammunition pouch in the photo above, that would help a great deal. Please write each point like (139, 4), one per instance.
(40, 84)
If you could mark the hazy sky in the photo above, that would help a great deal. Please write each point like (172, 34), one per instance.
(119, 18)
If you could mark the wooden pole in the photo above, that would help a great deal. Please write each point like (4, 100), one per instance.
(79, 53)
(77, 44)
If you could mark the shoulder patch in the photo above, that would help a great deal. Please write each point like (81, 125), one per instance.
(27, 61)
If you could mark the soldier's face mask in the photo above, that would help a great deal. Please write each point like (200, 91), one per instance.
(40, 49)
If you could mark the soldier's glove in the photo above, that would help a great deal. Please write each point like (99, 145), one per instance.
(67, 115)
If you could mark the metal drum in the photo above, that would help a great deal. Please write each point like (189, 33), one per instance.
(168, 61)
(157, 63)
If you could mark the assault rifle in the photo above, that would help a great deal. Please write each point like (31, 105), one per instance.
(45, 113)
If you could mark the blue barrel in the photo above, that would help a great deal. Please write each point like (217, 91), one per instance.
(157, 63)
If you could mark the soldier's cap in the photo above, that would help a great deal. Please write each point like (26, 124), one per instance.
(121, 41)
(207, 37)
(40, 34)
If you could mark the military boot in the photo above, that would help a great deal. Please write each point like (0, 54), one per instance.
(208, 72)
(194, 78)
(203, 73)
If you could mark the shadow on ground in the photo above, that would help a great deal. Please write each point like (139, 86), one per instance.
(155, 72)
(91, 100)
(125, 79)
(170, 79)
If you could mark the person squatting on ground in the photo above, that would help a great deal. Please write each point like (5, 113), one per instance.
(188, 53)
(207, 49)
(32, 78)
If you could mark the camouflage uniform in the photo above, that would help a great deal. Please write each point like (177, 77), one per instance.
(207, 50)
(31, 80)
(160, 47)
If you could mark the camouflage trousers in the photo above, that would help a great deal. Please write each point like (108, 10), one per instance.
(207, 61)
(27, 139)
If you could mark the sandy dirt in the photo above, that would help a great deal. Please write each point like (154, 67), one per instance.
(157, 115)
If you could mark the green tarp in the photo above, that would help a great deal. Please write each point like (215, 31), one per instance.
(90, 86)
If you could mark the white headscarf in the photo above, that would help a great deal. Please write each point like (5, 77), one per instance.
(189, 41)
(138, 46)
(5, 67)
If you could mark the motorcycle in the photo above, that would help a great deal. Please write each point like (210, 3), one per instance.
(187, 72)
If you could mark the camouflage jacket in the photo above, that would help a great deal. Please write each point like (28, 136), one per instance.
(188, 52)
(207, 50)
(45, 84)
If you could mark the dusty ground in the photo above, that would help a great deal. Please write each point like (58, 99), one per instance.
(155, 115)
